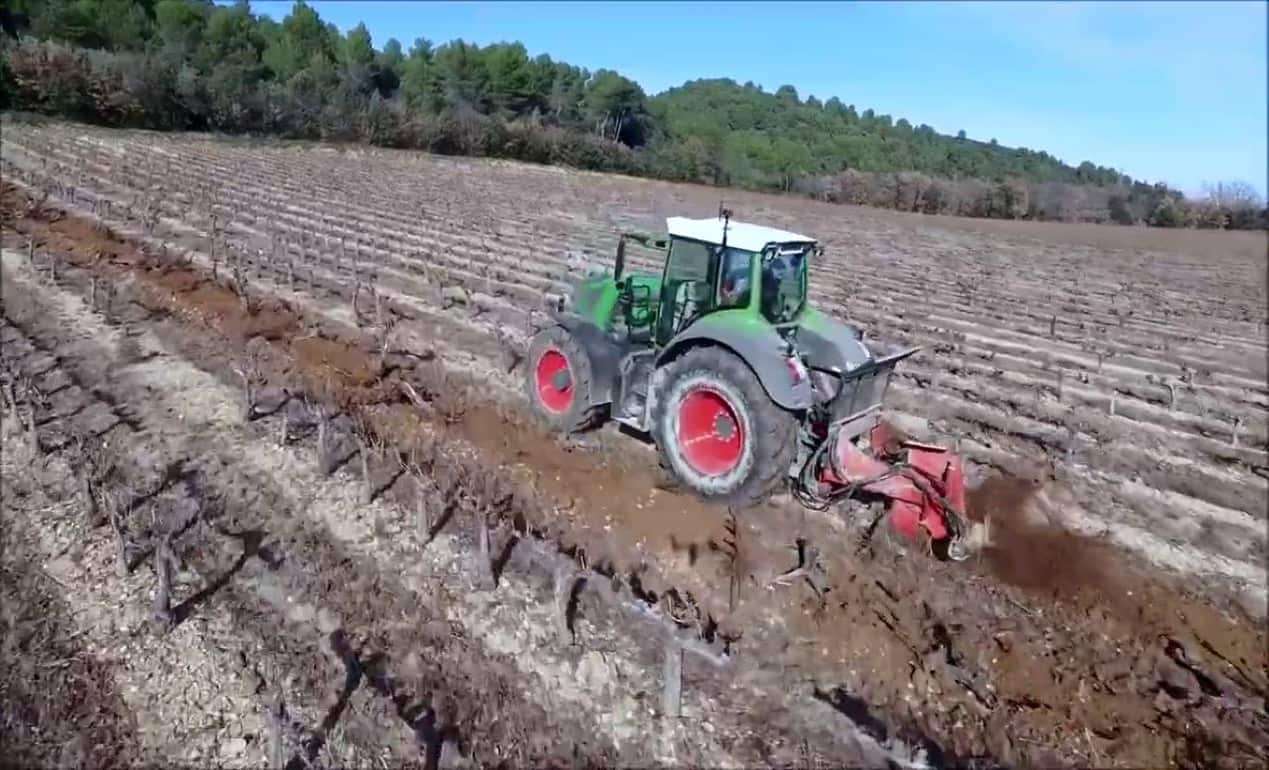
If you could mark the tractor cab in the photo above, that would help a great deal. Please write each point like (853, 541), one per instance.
(716, 265)
(709, 265)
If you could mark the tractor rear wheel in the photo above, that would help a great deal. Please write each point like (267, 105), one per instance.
(558, 380)
(716, 429)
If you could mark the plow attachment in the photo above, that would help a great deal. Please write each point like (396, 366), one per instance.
(922, 485)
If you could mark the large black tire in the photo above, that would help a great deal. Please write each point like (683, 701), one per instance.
(568, 409)
(768, 433)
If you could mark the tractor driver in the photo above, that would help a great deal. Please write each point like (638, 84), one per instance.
(733, 288)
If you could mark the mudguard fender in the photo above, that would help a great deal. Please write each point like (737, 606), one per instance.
(758, 345)
(604, 353)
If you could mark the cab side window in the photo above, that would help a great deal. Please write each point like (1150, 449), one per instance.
(734, 275)
(689, 261)
(686, 291)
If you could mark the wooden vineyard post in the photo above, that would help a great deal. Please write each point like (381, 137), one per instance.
(32, 432)
(114, 501)
(1233, 435)
(1112, 404)
(484, 577)
(565, 578)
(731, 548)
(240, 284)
(365, 445)
(422, 511)
(277, 733)
(1060, 373)
(385, 339)
(1171, 386)
(247, 374)
(211, 248)
(163, 563)
(672, 679)
(108, 300)
(323, 441)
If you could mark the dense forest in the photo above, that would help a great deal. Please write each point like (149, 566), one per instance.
(194, 65)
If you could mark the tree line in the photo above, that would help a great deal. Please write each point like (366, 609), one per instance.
(195, 65)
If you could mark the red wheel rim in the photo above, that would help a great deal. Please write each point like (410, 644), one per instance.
(710, 432)
(555, 382)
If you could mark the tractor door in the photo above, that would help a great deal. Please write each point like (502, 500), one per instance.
(687, 289)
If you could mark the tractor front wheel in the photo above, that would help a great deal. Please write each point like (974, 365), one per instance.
(716, 429)
(557, 382)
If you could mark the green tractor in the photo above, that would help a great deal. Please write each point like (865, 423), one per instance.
(742, 385)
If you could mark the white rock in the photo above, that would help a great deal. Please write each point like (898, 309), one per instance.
(327, 621)
(455, 294)
(593, 672)
(234, 747)
(302, 613)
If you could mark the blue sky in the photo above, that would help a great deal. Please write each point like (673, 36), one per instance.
(1167, 91)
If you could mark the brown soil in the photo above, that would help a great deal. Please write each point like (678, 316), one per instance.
(621, 499)
(1089, 655)
(1025, 551)
(316, 354)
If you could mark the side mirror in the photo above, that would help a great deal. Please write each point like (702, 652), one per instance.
(620, 267)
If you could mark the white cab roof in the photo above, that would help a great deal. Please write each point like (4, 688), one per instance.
(740, 235)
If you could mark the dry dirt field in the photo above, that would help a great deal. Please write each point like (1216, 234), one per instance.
(270, 494)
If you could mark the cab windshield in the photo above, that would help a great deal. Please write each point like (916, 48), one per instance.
(784, 281)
